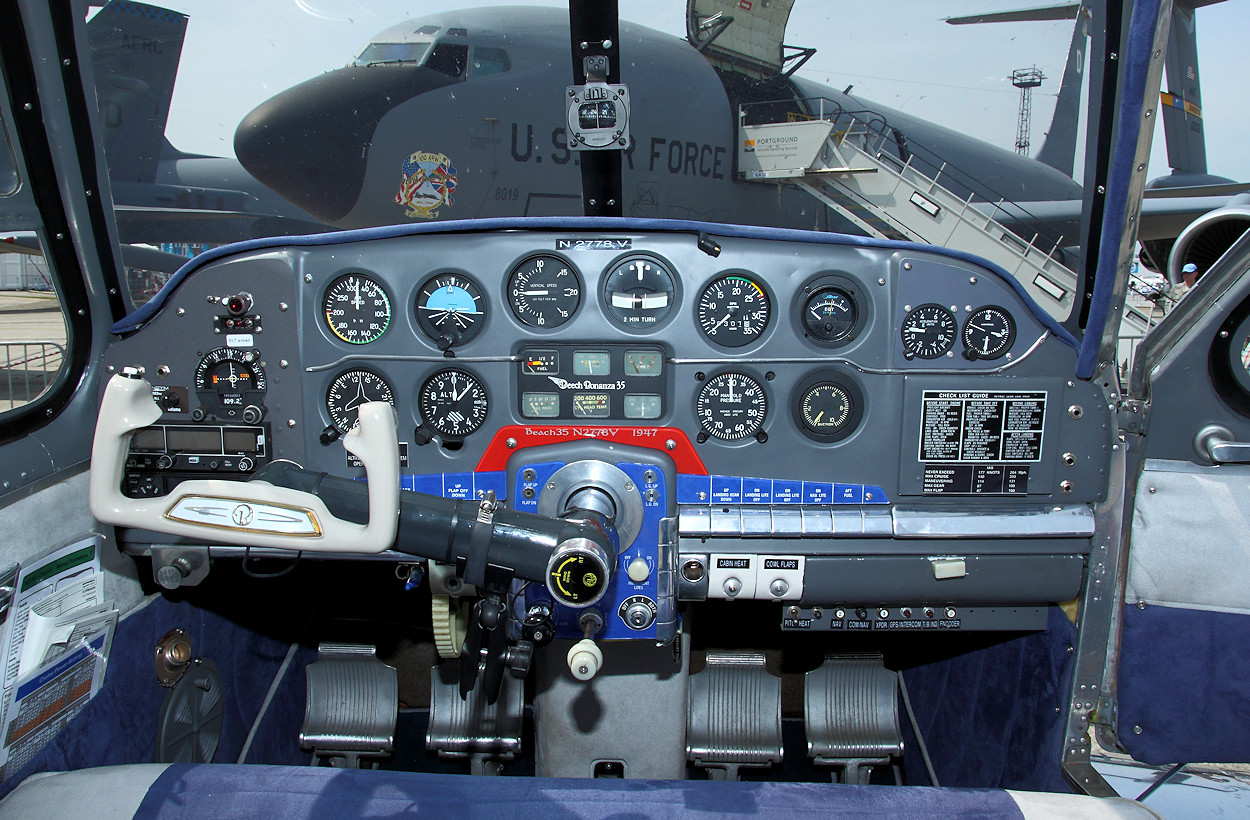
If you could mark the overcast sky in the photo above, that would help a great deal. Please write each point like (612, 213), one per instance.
(898, 54)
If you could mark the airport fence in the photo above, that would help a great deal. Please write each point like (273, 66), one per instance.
(27, 369)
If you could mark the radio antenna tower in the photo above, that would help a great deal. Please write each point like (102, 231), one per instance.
(1025, 79)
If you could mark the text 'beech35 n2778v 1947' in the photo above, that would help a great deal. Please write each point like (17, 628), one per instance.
(564, 415)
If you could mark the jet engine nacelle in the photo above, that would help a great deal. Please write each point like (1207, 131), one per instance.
(1207, 238)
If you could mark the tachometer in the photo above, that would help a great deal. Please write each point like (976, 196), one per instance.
(357, 309)
(544, 291)
(349, 390)
(638, 292)
(453, 402)
(988, 333)
(733, 310)
(731, 406)
(928, 332)
(451, 309)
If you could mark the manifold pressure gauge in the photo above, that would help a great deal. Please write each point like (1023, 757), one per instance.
(731, 406)
(453, 402)
(357, 309)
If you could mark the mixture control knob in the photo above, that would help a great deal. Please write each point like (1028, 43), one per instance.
(638, 570)
(732, 587)
(584, 659)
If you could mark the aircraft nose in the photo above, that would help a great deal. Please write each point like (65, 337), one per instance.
(310, 144)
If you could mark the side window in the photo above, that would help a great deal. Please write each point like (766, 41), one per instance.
(32, 324)
(449, 58)
(490, 61)
(32, 320)
(8, 165)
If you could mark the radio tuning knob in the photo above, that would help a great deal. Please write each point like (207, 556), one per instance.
(252, 414)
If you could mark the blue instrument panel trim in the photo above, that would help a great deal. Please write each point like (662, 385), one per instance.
(456, 485)
(721, 489)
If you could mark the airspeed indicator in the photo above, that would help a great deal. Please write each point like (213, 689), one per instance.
(357, 309)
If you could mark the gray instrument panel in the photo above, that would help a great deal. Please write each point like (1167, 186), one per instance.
(933, 427)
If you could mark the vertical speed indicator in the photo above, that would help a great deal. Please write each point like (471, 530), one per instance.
(544, 291)
(733, 310)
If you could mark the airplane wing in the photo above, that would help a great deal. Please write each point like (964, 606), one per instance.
(137, 223)
(1062, 11)
(133, 256)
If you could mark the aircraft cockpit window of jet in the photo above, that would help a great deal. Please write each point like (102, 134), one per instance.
(388, 53)
(705, 409)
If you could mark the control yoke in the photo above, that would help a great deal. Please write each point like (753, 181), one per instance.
(252, 513)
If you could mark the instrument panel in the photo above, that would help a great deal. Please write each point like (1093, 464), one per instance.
(772, 384)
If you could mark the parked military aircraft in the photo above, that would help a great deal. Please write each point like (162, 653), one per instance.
(468, 79)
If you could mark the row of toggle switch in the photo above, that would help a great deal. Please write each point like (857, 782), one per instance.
(804, 521)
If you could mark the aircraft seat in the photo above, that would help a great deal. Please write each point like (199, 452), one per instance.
(152, 790)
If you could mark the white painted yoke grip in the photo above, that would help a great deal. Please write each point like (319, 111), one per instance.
(248, 513)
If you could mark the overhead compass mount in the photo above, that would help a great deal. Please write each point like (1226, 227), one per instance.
(597, 105)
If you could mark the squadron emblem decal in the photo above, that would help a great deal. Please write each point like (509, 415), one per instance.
(429, 181)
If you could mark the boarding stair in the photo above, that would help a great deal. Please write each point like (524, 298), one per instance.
(844, 160)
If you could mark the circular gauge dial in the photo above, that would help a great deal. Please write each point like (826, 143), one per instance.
(453, 402)
(229, 379)
(828, 407)
(988, 333)
(929, 331)
(544, 291)
(731, 406)
(639, 292)
(349, 390)
(830, 314)
(357, 309)
(733, 310)
(451, 309)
